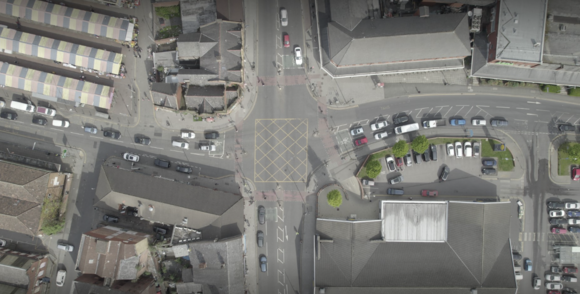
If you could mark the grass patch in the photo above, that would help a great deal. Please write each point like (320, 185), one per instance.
(377, 156)
(168, 12)
(504, 158)
(551, 88)
(169, 31)
(50, 215)
(197, 118)
(574, 92)
(565, 159)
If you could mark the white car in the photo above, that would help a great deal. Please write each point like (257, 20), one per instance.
(458, 150)
(572, 205)
(552, 277)
(379, 125)
(356, 131)
(379, 136)
(60, 123)
(130, 157)
(2, 104)
(537, 283)
(478, 122)
(574, 221)
(60, 277)
(207, 147)
(467, 149)
(187, 135)
(450, 150)
(298, 55)
(183, 145)
(284, 17)
(65, 247)
(2, 243)
(476, 149)
(391, 164)
(554, 286)
(557, 213)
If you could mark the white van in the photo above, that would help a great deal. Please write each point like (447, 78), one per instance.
(22, 106)
(183, 145)
(60, 123)
(407, 128)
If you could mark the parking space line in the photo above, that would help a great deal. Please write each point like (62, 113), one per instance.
(531, 114)
(197, 154)
(76, 133)
(100, 138)
(156, 147)
(544, 122)
(278, 232)
(445, 115)
(179, 151)
(283, 279)
(569, 118)
(462, 106)
(502, 107)
(522, 108)
(469, 111)
(279, 253)
(57, 129)
(558, 118)
(542, 110)
(420, 109)
(521, 120)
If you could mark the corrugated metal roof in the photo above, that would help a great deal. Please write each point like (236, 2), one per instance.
(414, 221)
(43, 47)
(55, 86)
(69, 18)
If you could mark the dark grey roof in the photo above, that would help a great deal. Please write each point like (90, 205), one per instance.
(224, 270)
(194, 46)
(206, 91)
(196, 13)
(477, 254)
(562, 46)
(379, 290)
(164, 88)
(468, 2)
(196, 76)
(14, 276)
(349, 13)
(223, 60)
(166, 59)
(405, 39)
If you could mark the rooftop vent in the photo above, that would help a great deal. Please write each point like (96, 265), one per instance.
(562, 27)
(424, 11)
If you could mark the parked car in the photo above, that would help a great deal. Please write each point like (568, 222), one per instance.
(570, 270)
(60, 278)
(260, 238)
(112, 134)
(557, 213)
(379, 125)
(131, 157)
(2, 243)
(457, 122)
(516, 256)
(558, 221)
(488, 171)
(184, 169)
(399, 162)
(379, 136)
(179, 144)
(8, 115)
(65, 247)
(39, 121)
(408, 160)
(444, 173)
(488, 162)
(433, 149)
(426, 156)
(207, 147)
(573, 229)
(142, 140)
(572, 279)
(283, 17)
(553, 204)
(162, 163)
(160, 231)
(528, 264)
(187, 135)
(46, 111)
(572, 205)
(91, 130)
(566, 128)
(129, 210)
(478, 122)
(298, 55)
(557, 230)
(573, 213)
(537, 283)
(60, 123)
(555, 269)
(110, 218)
(429, 193)
(574, 221)
(400, 119)
(2, 104)
(396, 180)
(418, 159)
(467, 149)
(356, 131)
(395, 191)
(499, 123)
(575, 174)
(211, 135)
(458, 149)
(450, 150)
(367, 182)
(286, 41)
(263, 263)
(554, 286)
(361, 141)
(261, 214)
(476, 148)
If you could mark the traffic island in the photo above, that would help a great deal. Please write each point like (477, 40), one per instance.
(351, 208)
(568, 156)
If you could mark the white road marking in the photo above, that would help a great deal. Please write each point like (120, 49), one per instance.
(534, 102)
(560, 116)
(569, 118)
(522, 108)
(521, 120)
(576, 121)
(178, 151)
(531, 114)
(445, 115)
(545, 122)
(479, 106)
(279, 254)
(156, 147)
(16, 121)
(542, 110)
(469, 111)
(197, 154)
(462, 106)
(76, 133)
(501, 107)
(100, 138)
(57, 129)
(420, 109)
(482, 105)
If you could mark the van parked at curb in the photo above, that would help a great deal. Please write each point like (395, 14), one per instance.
(22, 106)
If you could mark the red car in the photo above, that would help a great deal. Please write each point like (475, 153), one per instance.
(361, 141)
(559, 230)
(286, 40)
(554, 292)
(570, 270)
(575, 174)
(399, 161)
(429, 193)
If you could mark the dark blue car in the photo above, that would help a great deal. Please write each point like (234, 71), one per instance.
(574, 213)
(457, 122)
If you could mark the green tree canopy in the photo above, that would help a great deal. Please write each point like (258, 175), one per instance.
(574, 149)
(334, 198)
(373, 168)
(400, 148)
(51, 227)
(420, 144)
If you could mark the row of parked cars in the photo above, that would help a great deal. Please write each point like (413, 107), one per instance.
(262, 259)
(496, 122)
(558, 213)
(555, 278)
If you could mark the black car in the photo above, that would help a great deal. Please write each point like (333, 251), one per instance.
(499, 122)
(8, 115)
(444, 173)
(488, 171)
(260, 238)
(566, 128)
(516, 256)
(433, 152)
(110, 218)
(426, 156)
(418, 159)
(261, 214)
(162, 163)
(142, 140)
(558, 221)
(184, 169)
(400, 119)
(556, 205)
(112, 134)
(574, 229)
(212, 135)
(39, 121)
(488, 162)
(160, 231)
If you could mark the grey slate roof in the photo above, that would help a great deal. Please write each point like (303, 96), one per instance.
(166, 59)
(218, 279)
(223, 59)
(196, 13)
(14, 276)
(196, 76)
(477, 254)
(562, 47)
(164, 88)
(349, 13)
(194, 45)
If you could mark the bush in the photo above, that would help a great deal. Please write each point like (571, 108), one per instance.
(168, 12)
(52, 227)
(574, 92)
(334, 198)
(420, 144)
(400, 148)
(573, 149)
(551, 88)
(373, 168)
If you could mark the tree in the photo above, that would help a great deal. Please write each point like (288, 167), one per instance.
(334, 198)
(400, 148)
(50, 227)
(420, 144)
(373, 168)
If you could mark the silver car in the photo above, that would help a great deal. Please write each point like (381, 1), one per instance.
(356, 131)
(91, 130)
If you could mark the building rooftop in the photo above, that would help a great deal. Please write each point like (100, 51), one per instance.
(196, 13)
(562, 41)
(414, 221)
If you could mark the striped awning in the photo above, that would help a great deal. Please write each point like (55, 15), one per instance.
(65, 52)
(55, 86)
(69, 18)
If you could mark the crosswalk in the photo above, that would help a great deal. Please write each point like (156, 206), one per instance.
(561, 239)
